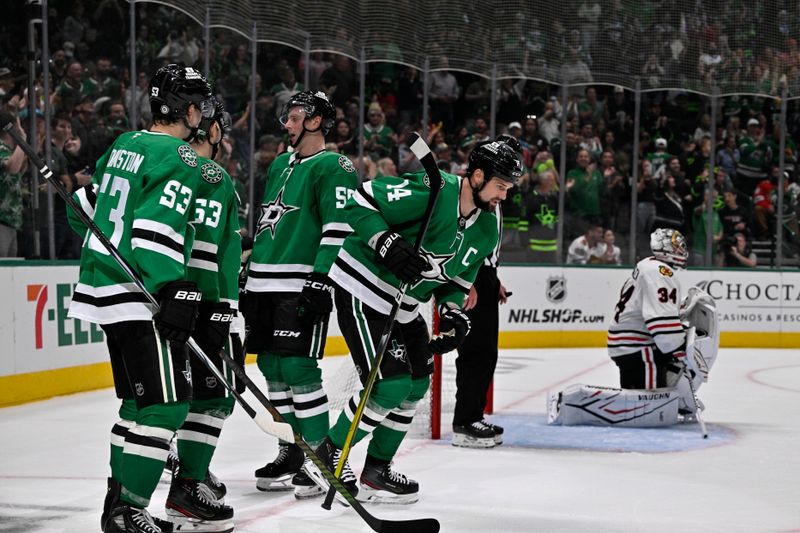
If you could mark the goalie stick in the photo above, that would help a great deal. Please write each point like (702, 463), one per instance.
(685, 374)
(423, 153)
(277, 427)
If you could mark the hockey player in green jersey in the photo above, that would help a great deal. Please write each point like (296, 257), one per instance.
(195, 497)
(288, 293)
(143, 200)
(386, 214)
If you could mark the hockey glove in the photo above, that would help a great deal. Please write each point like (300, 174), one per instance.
(316, 301)
(214, 326)
(177, 315)
(396, 254)
(454, 326)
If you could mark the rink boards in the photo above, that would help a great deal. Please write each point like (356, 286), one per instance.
(47, 354)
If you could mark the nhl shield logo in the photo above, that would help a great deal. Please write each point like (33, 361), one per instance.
(139, 389)
(556, 289)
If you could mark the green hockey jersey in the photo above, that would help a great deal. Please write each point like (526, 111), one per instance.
(301, 225)
(217, 246)
(455, 247)
(755, 158)
(145, 186)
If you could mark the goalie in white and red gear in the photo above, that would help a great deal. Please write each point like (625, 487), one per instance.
(646, 333)
(647, 339)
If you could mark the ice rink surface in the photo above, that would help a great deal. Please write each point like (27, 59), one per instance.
(744, 478)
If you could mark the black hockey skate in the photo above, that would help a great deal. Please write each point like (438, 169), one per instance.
(330, 455)
(498, 432)
(475, 435)
(111, 501)
(381, 484)
(173, 463)
(277, 475)
(304, 486)
(216, 486)
(192, 507)
(125, 518)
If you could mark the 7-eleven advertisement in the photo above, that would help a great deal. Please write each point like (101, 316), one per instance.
(35, 332)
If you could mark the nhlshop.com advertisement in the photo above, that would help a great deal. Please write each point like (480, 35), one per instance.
(583, 299)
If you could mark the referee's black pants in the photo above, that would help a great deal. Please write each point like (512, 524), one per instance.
(477, 356)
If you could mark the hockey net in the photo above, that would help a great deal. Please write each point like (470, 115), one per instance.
(438, 403)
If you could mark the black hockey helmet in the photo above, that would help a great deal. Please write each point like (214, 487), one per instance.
(313, 104)
(510, 140)
(174, 88)
(497, 159)
(221, 117)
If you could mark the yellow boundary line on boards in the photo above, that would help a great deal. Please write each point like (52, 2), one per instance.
(32, 386)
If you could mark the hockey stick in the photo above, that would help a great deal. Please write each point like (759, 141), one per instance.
(423, 153)
(277, 427)
(690, 335)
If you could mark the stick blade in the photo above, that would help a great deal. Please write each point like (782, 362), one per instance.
(421, 525)
(282, 430)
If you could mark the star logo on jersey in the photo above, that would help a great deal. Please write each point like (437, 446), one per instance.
(211, 173)
(272, 213)
(556, 289)
(436, 266)
(188, 155)
(546, 216)
(398, 351)
(346, 164)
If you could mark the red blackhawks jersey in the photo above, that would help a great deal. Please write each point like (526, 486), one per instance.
(647, 313)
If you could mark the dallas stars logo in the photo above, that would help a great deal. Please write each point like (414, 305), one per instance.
(272, 213)
(436, 266)
(546, 216)
(187, 373)
(398, 351)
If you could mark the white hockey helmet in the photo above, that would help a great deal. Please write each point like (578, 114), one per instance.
(669, 245)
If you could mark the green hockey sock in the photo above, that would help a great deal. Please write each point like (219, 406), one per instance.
(127, 417)
(146, 449)
(197, 437)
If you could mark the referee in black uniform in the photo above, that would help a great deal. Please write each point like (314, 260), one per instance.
(477, 357)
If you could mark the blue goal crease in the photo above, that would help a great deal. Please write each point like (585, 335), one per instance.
(532, 431)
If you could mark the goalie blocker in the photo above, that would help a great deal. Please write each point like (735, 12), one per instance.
(603, 406)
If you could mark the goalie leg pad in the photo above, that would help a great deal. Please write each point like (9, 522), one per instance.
(600, 406)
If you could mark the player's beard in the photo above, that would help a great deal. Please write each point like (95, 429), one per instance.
(481, 204)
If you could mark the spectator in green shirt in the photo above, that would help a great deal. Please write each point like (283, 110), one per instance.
(380, 139)
(586, 187)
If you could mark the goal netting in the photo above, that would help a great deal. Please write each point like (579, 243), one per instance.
(437, 405)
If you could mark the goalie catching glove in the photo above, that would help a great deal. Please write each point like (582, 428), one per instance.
(398, 256)
(177, 315)
(454, 326)
(315, 299)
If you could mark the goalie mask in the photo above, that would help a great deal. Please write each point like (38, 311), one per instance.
(669, 246)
